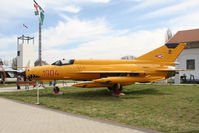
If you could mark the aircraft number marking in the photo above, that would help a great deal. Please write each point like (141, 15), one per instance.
(49, 73)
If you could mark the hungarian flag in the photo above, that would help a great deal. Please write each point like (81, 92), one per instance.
(25, 26)
(39, 11)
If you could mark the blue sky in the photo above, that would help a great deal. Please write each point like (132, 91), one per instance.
(95, 28)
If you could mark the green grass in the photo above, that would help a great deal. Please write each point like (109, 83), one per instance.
(166, 108)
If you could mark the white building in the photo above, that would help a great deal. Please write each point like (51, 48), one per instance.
(189, 58)
(128, 57)
(25, 52)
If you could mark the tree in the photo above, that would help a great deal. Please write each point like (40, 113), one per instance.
(1, 62)
(169, 35)
(2, 72)
(14, 63)
(6, 62)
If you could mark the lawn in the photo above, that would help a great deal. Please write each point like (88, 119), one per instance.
(166, 108)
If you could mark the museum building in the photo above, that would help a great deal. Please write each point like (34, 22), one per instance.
(189, 58)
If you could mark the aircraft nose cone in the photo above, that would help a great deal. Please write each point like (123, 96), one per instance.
(30, 74)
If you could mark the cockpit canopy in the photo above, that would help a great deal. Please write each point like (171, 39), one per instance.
(63, 62)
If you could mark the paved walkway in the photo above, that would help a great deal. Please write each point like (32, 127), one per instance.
(13, 89)
(17, 117)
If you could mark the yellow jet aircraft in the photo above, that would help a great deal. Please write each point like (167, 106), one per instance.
(113, 74)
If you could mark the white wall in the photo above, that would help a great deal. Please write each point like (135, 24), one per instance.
(184, 56)
(26, 58)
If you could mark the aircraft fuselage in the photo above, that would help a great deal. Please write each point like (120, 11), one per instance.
(130, 70)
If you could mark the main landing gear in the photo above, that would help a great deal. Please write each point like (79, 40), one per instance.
(116, 90)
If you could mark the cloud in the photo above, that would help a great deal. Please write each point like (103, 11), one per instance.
(57, 4)
(106, 44)
(72, 37)
(70, 8)
(75, 1)
(7, 42)
(96, 39)
(144, 4)
(23, 10)
(94, 1)
(7, 54)
(12, 10)
(74, 30)
(182, 7)
(185, 21)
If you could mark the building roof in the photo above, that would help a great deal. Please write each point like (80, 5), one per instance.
(185, 36)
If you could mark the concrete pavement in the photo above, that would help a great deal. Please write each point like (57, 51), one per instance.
(13, 89)
(20, 117)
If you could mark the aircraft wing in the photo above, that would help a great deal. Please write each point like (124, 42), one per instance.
(114, 80)
(112, 72)
(106, 82)
(92, 84)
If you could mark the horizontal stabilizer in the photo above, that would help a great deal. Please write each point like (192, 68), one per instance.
(167, 70)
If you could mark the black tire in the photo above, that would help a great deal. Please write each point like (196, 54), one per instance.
(56, 89)
(115, 88)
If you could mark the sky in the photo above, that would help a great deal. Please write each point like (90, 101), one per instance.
(94, 29)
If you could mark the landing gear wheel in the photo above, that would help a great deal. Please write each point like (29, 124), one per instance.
(56, 90)
(116, 90)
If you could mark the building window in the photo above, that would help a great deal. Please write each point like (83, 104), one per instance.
(18, 53)
(191, 64)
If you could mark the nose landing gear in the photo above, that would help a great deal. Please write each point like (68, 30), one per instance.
(56, 90)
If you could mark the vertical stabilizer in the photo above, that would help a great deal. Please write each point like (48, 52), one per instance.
(165, 53)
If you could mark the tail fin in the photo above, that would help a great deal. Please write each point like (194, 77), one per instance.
(165, 53)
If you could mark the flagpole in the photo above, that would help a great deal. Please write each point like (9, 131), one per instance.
(39, 11)
(40, 59)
